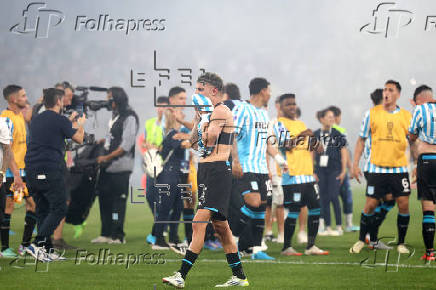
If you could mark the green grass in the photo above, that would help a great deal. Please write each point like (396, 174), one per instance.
(339, 271)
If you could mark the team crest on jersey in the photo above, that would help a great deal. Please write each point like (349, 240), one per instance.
(254, 185)
(370, 190)
(297, 197)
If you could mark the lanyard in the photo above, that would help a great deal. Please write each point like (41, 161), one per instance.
(325, 139)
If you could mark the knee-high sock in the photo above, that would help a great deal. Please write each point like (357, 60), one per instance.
(290, 223)
(188, 216)
(366, 225)
(4, 232)
(187, 263)
(235, 264)
(312, 226)
(257, 217)
(402, 225)
(29, 226)
(428, 228)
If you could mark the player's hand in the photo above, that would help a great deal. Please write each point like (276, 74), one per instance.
(414, 176)
(102, 159)
(18, 183)
(237, 169)
(341, 176)
(357, 173)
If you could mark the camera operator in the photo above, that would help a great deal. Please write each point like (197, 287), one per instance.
(116, 167)
(45, 165)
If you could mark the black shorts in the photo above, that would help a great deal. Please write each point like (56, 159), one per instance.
(255, 182)
(426, 177)
(214, 181)
(7, 187)
(380, 184)
(299, 195)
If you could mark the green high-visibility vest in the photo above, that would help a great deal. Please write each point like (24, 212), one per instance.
(154, 133)
(341, 130)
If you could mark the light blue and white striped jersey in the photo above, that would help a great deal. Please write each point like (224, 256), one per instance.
(251, 125)
(280, 130)
(204, 103)
(365, 132)
(423, 123)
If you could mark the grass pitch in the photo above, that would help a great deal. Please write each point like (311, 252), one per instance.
(339, 270)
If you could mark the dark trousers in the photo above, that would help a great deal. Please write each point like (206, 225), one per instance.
(235, 204)
(329, 189)
(81, 199)
(48, 188)
(346, 195)
(169, 205)
(113, 194)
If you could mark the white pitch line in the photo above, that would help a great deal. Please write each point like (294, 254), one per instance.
(312, 263)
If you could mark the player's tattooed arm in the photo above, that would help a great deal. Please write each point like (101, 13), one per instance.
(413, 146)
(7, 155)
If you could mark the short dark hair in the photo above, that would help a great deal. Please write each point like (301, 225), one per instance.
(175, 90)
(377, 96)
(51, 97)
(419, 90)
(336, 111)
(162, 99)
(286, 96)
(64, 85)
(9, 90)
(212, 79)
(257, 84)
(395, 83)
(232, 91)
(321, 114)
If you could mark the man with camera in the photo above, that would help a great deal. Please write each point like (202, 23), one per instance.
(116, 167)
(45, 166)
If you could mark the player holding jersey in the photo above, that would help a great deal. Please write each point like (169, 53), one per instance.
(387, 124)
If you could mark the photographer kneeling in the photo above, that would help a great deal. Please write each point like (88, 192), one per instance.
(45, 169)
(116, 167)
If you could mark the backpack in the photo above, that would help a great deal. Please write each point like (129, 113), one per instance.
(152, 162)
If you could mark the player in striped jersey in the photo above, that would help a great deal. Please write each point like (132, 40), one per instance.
(388, 126)
(251, 125)
(388, 202)
(299, 185)
(423, 128)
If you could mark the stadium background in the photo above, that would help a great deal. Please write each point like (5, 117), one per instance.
(312, 48)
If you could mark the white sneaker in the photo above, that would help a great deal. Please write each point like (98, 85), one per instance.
(323, 233)
(340, 231)
(402, 249)
(178, 249)
(39, 253)
(314, 250)
(56, 256)
(333, 233)
(357, 247)
(175, 280)
(263, 246)
(235, 281)
(290, 252)
(117, 241)
(302, 237)
(101, 240)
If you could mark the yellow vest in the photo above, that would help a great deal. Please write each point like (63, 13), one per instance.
(19, 146)
(389, 137)
(299, 158)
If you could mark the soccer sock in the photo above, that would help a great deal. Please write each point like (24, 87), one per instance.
(244, 218)
(365, 225)
(349, 219)
(382, 211)
(4, 232)
(29, 226)
(290, 223)
(257, 227)
(402, 225)
(187, 263)
(235, 264)
(188, 216)
(312, 226)
(428, 228)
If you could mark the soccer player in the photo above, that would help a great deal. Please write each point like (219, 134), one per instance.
(388, 201)
(15, 175)
(5, 159)
(422, 127)
(299, 186)
(214, 182)
(388, 126)
(251, 121)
